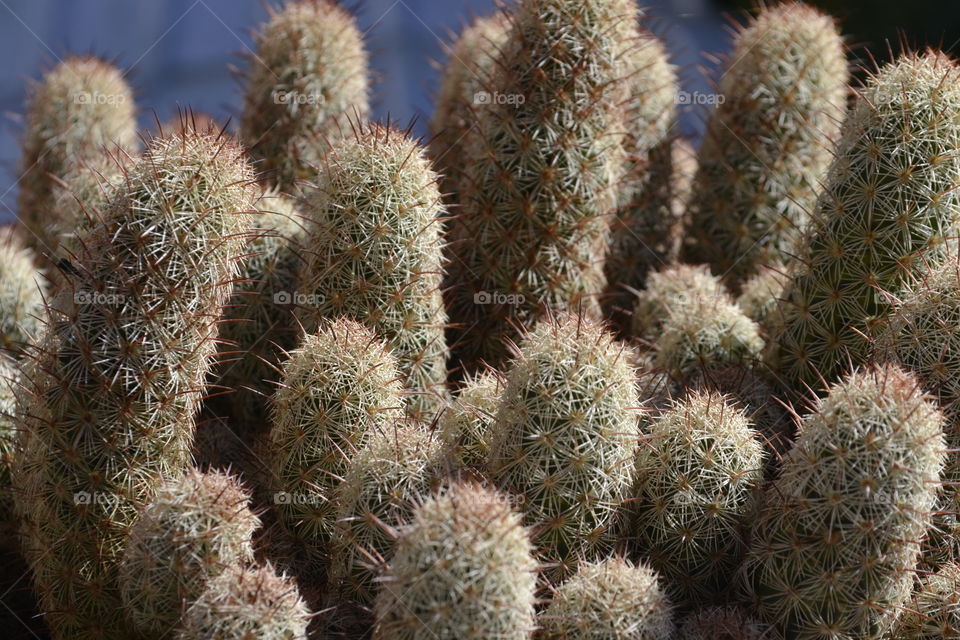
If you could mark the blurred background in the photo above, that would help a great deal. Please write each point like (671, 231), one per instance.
(179, 52)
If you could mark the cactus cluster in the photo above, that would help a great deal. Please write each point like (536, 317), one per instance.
(934, 609)
(465, 426)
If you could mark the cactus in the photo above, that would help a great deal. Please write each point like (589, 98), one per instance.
(192, 531)
(308, 78)
(245, 602)
(81, 197)
(462, 568)
(760, 295)
(768, 144)
(80, 108)
(724, 623)
(612, 599)
(375, 253)
(696, 481)
(260, 325)
(339, 387)
(889, 202)
(706, 332)
(465, 425)
(564, 437)
(839, 534)
(107, 408)
(934, 611)
(22, 293)
(674, 285)
(540, 177)
(9, 382)
(472, 59)
(385, 480)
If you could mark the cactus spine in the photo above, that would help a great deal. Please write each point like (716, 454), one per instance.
(375, 253)
(465, 425)
(609, 599)
(108, 405)
(724, 623)
(564, 437)
(22, 294)
(385, 481)
(768, 145)
(9, 381)
(308, 79)
(80, 108)
(934, 612)
(246, 603)
(193, 529)
(889, 202)
(839, 534)
(539, 185)
(339, 387)
(695, 483)
(670, 287)
(462, 568)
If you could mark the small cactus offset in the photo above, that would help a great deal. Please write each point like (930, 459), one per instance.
(247, 602)
(539, 184)
(839, 535)
(670, 287)
(724, 623)
(309, 77)
(192, 531)
(339, 387)
(760, 295)
(768, 144)
(697, 478)
(82, 109)
(462, 568)
(108, 404)
(472, 58)
(609, 600)
(934, 609)
(889, 203)
(465, 425)
(386, 480)
(22, 294)
(259, 326)
(375, 253)
(564, 438)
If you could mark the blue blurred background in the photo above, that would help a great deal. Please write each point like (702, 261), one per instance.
(178, 52)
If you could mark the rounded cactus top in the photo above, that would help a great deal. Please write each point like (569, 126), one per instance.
(673, 285)
(21, 295)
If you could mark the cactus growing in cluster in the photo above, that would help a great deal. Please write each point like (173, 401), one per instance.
(108, 403)
(696, 480)
(194, 529)
(465, 425)
(706, 332)
(247, 602)
(724, 623)
(564, 437)
(259, 324)
(462, 568)
(889, 203)
(542, 165)
(339, 387)
(375, 253)
(612, 599)
(761, 293)
(768, 144)
(669, 287)
(385, 481)
(472, 58)
(838, 536)
(308, 79)
(934, 610)
(82, 107)
(22, 294)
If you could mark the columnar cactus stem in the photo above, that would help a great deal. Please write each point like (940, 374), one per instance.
(768, 144)
(308, 78)
(889, 203)
(108, 404)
